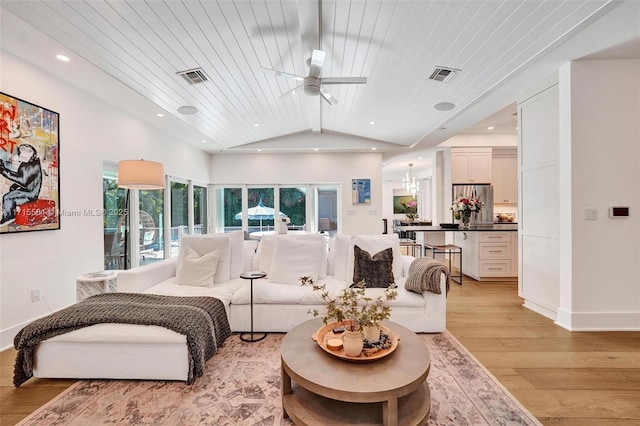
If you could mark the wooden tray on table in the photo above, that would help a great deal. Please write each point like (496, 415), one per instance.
(326, 332)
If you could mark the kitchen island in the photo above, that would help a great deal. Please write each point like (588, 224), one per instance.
(490, 251)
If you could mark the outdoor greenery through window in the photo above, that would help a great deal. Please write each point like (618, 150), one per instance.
(113, 203)
(199, 210)
(293, 203)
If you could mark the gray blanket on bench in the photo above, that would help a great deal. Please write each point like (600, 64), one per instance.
(203, 320)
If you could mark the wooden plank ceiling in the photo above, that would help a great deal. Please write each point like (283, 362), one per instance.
(396, 44)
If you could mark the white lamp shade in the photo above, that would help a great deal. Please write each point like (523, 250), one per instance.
(140, 174)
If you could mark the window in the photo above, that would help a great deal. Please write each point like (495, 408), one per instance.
(199, 210)
(293, 203)
(327, 213)
(310, 207)
(113, 204)
(150, 219)
(260, 213)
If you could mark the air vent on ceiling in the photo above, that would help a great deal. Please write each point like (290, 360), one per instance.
(443, 74)
(194, 76)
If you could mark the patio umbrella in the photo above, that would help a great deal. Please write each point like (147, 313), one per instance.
(259, 212)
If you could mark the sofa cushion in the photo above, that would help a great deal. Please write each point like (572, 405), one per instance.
(197, 270)
(340, 256)
(268, 243)
(204, 244)
(374, 244)
(376, 270)
(295, 258)
(265, 292)
(405, 298)
(236, 249)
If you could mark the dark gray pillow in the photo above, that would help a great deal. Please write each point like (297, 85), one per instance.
(376, 271)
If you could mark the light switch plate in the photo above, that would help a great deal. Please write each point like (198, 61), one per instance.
(591, 214)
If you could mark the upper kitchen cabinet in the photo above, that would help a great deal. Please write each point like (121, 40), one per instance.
(471, 165)
(505, 177)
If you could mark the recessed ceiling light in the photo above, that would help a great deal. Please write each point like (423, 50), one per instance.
(259, 150)
(372, 122)
(374, 148)
(419, 158)
(204, 141)
(62, 58)
(490, 128)
(256, 124)
(187, 110)
(316, 149)
(444, 106)
(159, 115)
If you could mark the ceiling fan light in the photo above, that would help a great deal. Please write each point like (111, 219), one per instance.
(311, 86)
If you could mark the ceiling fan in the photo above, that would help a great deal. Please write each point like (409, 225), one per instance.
(312, 84)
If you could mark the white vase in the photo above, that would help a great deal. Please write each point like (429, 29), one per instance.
(371, 333)
(352, 343)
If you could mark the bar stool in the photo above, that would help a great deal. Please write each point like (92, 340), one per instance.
(449, 249)
(411, 244)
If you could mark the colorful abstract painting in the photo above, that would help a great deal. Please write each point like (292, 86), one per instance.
(29, 166)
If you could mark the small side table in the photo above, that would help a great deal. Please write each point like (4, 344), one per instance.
(251, 276)
(93, 283)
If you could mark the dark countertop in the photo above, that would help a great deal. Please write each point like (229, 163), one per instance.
(511, 227)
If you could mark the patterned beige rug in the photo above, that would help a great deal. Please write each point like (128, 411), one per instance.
(241, 386)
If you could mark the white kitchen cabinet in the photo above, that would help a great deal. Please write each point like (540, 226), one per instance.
(471, 165)
(505, 178)
(488, 255)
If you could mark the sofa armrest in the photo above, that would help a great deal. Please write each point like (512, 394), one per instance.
(138, 279)
(406, 262)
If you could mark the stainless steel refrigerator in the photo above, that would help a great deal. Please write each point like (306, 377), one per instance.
(484, 193)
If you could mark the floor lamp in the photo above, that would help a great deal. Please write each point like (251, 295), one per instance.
(137, 174)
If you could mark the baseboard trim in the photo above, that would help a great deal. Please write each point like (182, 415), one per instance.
(7, 335)
(598, 321)
(545, 312)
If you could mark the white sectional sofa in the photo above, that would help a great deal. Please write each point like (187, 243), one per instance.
(280, 303)
(125, 351)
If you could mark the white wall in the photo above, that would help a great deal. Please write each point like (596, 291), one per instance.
(91, 131)
(317, 167)
(584, 273)
(601, 101)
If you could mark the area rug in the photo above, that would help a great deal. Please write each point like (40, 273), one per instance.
(241, 386)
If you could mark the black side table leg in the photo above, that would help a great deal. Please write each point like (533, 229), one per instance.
(252, 338)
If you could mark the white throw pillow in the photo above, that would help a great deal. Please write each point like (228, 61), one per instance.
(236, 242)
(373, 244)
(203, 244)
(340, 256)
(295, 258)
(196, 270)
(268, 243)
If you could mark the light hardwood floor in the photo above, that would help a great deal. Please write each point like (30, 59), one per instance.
(563, 378)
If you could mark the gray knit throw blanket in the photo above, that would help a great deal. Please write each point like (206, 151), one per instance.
(203, 320)
(424, 275)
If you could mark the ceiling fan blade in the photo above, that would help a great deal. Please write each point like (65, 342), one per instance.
(344, 80)
(317, 59)
(295, 90)
(328, 96)
(282, 74)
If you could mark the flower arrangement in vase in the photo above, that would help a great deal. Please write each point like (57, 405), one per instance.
(463, 206)
(411, 210)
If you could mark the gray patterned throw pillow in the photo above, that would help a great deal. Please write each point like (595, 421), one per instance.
(376, 270)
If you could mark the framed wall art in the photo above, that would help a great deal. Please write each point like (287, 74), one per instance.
(401, 203)
(361, 191)
(29, 166)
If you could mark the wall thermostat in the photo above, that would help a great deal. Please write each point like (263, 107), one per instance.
(617, 212)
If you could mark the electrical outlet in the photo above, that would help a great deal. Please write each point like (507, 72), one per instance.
(35, 294)
(591, 214)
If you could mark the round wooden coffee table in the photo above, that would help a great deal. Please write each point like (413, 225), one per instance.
(320, 389)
